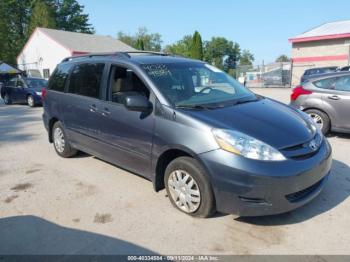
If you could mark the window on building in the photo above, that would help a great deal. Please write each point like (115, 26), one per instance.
(58, 80)
(86, 79)
(46, 73)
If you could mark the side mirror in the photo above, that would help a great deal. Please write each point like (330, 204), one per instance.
(137, 103)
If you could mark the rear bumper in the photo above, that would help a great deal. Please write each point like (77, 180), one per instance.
(255, 188)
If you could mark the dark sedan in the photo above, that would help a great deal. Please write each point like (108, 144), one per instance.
(23, 90)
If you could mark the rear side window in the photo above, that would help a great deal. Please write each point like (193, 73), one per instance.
(328, 83)
(343, 84)
(58, 79)
(86, 79)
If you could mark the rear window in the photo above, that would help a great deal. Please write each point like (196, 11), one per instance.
(86, 79)
(59, 77)
(36, 83)
(320, 71)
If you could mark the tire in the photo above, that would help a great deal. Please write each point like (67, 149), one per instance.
(30, 101)
(181, 167)
(7, 99)
(320, 119)
(60, 141)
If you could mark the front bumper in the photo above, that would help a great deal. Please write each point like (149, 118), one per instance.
(254, 188)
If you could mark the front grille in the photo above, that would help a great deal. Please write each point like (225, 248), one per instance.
(303, 151)
(300, 195)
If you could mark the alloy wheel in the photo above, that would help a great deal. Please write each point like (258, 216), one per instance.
(30, 101)
(58, 139)
(6, 99)
(317, 120)
(184, 191)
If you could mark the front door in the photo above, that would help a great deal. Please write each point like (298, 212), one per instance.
(128, 134)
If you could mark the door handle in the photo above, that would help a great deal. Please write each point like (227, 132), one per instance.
(106, 112)
(93, 108)
(334, 97)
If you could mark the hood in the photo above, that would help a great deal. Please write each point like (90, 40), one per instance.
(267, 120)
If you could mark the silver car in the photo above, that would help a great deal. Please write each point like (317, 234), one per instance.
(326, 99)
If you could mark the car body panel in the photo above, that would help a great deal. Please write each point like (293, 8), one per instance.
(335, 103)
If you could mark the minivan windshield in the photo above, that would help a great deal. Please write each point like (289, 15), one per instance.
(196, 85)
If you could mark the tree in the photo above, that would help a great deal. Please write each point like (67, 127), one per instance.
(246, 59)
(283, 58)
(14, 17)
(70, 17)
(181, 47)
(151, 41)
(43, 15)
(140, 45)
(222, 53)
(18, 18)
(197, 46)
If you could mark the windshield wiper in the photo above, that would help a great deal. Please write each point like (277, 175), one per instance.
(199, 107)
(239, 102)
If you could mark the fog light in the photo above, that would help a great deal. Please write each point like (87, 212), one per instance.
(257, 201)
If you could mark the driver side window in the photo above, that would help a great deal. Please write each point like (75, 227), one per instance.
(124, 82)
(19, 83)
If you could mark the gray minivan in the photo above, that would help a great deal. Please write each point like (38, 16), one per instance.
(190, 128)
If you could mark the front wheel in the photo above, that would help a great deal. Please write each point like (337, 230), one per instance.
(60, 141)
(188, 187)
(321, 119)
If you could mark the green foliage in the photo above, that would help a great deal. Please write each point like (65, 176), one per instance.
(247, 58)
(70, 17)
(140, 45)
(283, 58)
(151, 41)
(14, 18)
(222, 53)
(18, 18)
(43, 15)
(181, 47)
(197, 46)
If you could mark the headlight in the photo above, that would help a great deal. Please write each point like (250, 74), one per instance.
(38, 93)
(249, 147)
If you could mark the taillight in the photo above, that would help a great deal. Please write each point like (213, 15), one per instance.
(43, 94)
(298, 91)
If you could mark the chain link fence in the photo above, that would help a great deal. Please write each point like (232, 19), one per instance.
(269, 75)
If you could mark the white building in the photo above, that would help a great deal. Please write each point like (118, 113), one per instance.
(48, 47)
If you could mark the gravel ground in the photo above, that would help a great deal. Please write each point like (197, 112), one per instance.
(50, 205)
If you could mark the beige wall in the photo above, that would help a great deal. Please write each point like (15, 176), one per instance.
(333, 47)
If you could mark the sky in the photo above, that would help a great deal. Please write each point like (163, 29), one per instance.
(263, 27)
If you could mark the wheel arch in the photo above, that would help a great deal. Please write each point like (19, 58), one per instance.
(52, 121)
(323, 111)
(163, 161)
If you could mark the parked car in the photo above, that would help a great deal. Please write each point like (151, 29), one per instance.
(310, 73)
(326, 100)
(345, 69)
(189, 127)
(23, 90)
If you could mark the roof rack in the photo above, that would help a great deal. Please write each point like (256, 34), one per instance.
(123, 54)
